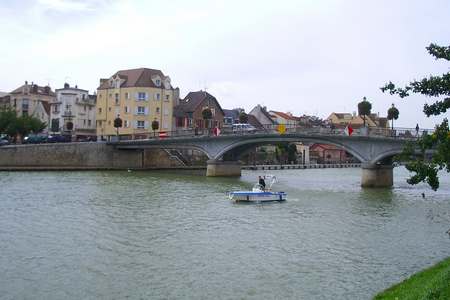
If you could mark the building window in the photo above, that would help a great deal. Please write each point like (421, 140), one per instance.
(84, 122)
(99, 110)
(127, 109)
(126, 124)
(109, 108)
(99, 123)
(25, 104)
(116, 97)
(141, 96)
(140, 124)
(55, 109)
(141, 110)
(84, 108)
(89, 123)
(127, 96)
(157, 96)
(83, 97)
(167, 97)
(157, 110)
(158, 82)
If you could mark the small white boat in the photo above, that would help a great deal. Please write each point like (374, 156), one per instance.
(258, 195)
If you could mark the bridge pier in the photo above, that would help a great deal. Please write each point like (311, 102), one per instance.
(374, 175)
(216, 168)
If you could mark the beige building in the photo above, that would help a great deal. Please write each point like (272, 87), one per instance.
(284, 118)
(33, 100)
(341, 120)
(138, 97)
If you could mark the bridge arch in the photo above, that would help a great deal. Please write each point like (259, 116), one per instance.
(384, 155)
(269, 140)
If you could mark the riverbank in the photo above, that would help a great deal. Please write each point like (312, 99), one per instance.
(431, 283)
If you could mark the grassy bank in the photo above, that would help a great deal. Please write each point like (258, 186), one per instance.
(432, 283)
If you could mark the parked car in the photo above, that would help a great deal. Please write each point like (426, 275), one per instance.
(35, 139)
(243, 128)
(4, 142)
(58, 138)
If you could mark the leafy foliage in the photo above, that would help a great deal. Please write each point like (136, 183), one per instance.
(13, 125)
(364, 108)
(243, 118)
(207, 113)
(118, 122)
(292, 153)
(155, 125)
(426, 170)
(392, 114)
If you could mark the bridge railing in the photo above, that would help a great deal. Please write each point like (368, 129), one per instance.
(396, 133)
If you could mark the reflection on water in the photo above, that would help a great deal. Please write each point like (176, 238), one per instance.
(163, 235)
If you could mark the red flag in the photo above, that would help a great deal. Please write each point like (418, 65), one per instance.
(348, 130)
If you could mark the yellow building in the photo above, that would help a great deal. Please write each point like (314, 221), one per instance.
(138, 97)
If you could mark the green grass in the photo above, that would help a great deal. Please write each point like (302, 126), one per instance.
(432, 283)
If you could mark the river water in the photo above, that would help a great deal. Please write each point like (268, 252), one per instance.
(149, 235)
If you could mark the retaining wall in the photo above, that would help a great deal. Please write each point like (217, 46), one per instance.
(66, 156)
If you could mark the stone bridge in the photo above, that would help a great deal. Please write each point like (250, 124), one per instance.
(375, 151)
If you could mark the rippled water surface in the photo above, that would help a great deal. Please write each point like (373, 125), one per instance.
(141, 235)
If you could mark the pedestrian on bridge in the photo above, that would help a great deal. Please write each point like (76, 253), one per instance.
(417, 129)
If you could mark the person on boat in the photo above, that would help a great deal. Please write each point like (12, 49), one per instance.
(262, 183)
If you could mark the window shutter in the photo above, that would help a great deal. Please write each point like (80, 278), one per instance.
(135, 124)
(146, 124)
(146, 111)
(136, 110)
(146, 96)
(136, 96)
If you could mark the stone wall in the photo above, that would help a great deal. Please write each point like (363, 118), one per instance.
(82, 156)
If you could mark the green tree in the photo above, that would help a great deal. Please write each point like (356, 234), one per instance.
(292, 153)
(118, 124)
(207, 115)
(392, 114)
(426, 170)
(364, 108)
(243, 118)
(7, 117)
(155, 126)
(12, 125)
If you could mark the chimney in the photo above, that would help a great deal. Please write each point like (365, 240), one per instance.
(26, 82)
(66, 85)
(76, 86)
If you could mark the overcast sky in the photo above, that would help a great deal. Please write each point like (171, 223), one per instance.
(302, 56)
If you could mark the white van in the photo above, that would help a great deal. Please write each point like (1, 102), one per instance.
(243, 128)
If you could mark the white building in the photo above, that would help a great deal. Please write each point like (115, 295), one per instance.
(73, 112)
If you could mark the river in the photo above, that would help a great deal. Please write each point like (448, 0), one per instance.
(157, 235)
